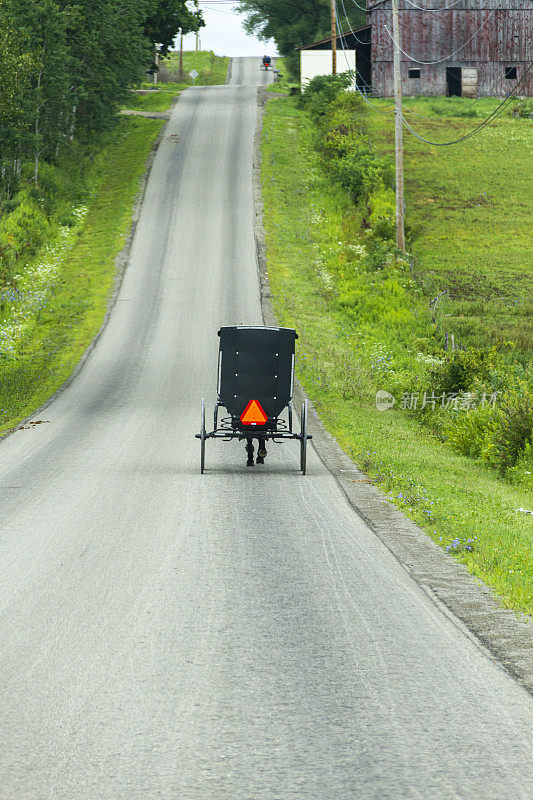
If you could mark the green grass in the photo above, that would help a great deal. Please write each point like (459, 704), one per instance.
(472, 204)
(344, 357)
(72, 312)
(284, 84)
(212, 69)
(155, 99)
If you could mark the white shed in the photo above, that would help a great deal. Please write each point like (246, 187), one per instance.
(318, 62)
(315, 58)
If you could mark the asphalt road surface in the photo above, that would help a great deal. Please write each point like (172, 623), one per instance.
(240, 634)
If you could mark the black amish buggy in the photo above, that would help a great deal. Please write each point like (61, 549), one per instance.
(255, 383)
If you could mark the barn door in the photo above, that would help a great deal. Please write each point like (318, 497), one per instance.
(469, 82)
(453, 82)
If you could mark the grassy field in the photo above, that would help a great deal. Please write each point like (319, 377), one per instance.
(64, 294)
(285, 82)
(472, 206)
(158, 98)
(313, 235)
(212, 69)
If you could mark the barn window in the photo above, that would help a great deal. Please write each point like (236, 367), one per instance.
(510, 73)
(414, 73)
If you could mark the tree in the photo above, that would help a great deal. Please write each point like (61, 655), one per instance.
(43, 98)
(66, 65)
(108, 51)
(293, 23)
(17, 70)
(167, 19)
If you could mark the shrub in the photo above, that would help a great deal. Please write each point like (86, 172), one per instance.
(471, 433)
(21, 234)
(459, 370)
(382, 207)
(521, 108)
(522, 471)
(48, 193)
(515, 428)
(378, 254)
(321, 91)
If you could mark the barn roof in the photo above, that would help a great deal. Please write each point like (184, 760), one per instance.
(349, 37)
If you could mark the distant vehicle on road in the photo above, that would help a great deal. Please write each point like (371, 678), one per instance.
(255, 385)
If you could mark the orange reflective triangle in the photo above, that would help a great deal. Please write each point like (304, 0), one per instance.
(253, 414)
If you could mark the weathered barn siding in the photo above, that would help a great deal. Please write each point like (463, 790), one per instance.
(505, 40)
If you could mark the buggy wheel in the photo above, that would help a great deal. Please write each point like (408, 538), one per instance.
(202, 439)
(303, 439)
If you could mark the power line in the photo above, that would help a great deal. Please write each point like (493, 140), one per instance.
(498, 110)
(440, 60)
(344, 49)
(444, 8)
(492, 116)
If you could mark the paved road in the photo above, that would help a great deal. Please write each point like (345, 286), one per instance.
(241, 635)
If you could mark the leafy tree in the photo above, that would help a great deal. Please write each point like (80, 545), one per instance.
(108, 51)
(168, 18)
(66, 65)
(43, 102)
(17, 69)
(293, 23)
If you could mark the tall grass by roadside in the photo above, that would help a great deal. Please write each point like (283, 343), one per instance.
(212, 69)
(53, 309)
(471, 206)
(365, 326)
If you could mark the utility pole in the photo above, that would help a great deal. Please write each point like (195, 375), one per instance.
(398, 127)
(333, 40)
(197, 32)
(156, 63)
(181, 56)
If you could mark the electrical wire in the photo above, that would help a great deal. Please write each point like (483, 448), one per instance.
(440, 60)
(344, 49)
(420, 8)
(218, 10)
(360, 7)
(408, 110)
(444, 8)
(463, 108)
(497, 111)
(346, 15)
(492, 116)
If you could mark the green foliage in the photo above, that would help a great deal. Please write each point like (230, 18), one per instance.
(22, 233)
(515, 428)
(342, 130)
(521, 472)
(461, 368)
(320, 92)
(471, 433)
(350, 345)
(212, 69)
(65, 67)
(64, 321)
(471, 207)
(294, 23)
(382, 207)
(500, 435)
(522, 108)
(166, 18)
